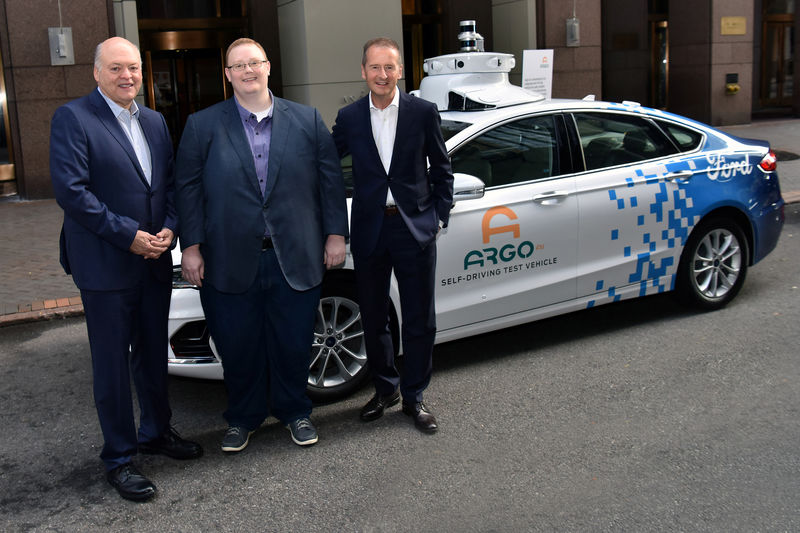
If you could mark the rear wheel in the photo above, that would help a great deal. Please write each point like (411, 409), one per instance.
(713, 265)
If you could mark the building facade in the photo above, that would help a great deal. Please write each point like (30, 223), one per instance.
(719, 61)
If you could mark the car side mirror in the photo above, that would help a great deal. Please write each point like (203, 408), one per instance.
(467, 187)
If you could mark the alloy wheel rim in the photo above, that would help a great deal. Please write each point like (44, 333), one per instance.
(338, 352)
(717, 263)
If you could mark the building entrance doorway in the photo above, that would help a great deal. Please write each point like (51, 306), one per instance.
(183, 48)
(8, 184)
(777, 58)
(181, 82)
(184, 73)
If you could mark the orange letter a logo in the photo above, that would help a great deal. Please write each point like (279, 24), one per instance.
(487, 218)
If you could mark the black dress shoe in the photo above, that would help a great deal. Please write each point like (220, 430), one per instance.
(131, 484)
(375, 407)
(423, 418)
(172, 445)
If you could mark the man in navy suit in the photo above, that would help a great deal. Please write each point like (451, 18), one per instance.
(399, 206)
(111, 167)
(263, 214)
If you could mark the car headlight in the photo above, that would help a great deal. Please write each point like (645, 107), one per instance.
(177, 280)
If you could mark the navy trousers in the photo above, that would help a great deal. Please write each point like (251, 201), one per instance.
(415, 271)
(264, 337)
(128, 336)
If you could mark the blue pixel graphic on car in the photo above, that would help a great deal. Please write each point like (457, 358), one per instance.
(661, 217)
(659, 220)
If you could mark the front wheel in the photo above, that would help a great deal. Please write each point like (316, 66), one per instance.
(338, 353)
(713, 265)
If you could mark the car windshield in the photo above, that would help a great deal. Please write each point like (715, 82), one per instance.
(451, 127)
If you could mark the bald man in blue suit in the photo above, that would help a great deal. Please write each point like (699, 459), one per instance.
(111, 168)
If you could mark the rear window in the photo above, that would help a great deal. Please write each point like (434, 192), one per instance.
(684, 138)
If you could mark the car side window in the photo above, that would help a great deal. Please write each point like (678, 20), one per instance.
(611, 139)
(684, 138)
(514, 152)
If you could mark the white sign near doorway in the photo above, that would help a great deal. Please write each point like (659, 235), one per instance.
(537, 71)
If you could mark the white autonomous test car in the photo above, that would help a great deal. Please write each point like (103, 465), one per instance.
(559, 206)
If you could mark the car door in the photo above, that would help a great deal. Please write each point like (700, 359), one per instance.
(629, 208)
(514, 249)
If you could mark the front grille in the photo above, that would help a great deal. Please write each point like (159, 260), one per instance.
(177, 279)
(191, 341)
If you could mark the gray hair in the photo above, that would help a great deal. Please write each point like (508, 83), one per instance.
(384, 42)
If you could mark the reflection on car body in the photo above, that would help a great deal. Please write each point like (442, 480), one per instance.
(560, 205)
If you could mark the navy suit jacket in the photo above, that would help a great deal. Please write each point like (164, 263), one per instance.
(98, 181)
(220, 203)
(423, 196)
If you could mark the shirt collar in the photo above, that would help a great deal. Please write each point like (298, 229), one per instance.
(245, 114)
(395, 100)
(116, 109)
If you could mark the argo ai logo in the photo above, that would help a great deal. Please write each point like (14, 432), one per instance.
(507, 252)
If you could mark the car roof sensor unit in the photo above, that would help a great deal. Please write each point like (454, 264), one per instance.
(472, 80)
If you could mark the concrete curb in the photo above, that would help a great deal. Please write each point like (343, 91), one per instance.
(40, 315)
(791, 197)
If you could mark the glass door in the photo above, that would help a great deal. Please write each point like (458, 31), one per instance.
(777, 58)
(8, 184)
(659, 64)
(183, 82)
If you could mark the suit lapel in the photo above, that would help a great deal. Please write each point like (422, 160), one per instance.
(403, 125)
(110, 122)
(240, 144)
(151, 135)
(282, 125)
(366, 119)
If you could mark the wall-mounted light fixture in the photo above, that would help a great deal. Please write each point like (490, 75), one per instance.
(61, 51)
(573, 29)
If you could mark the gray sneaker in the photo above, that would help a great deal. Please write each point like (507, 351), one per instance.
(303, 432)
(235, 439)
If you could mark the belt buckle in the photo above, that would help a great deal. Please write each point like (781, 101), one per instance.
(390, 210)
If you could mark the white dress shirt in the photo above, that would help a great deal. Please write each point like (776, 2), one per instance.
(129, 120)
(384, 128)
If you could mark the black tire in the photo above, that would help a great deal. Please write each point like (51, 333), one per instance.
(713, 265)
(338, 365)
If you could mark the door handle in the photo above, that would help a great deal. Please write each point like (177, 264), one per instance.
(551, 197)
(683, 175)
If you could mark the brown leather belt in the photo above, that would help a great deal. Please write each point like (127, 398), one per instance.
(390, 210)
(266, 244)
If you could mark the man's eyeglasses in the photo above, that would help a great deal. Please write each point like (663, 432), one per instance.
(255, 65)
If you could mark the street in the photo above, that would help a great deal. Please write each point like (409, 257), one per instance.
(637, 416)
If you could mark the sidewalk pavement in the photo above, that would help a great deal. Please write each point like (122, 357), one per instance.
(34, 287)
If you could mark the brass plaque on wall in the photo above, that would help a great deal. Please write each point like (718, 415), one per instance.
(733, 25)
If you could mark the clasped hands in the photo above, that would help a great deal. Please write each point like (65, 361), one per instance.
(152, 246)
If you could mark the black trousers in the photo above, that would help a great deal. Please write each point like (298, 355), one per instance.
(128, 336)
(264, 337)
(415, 271)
